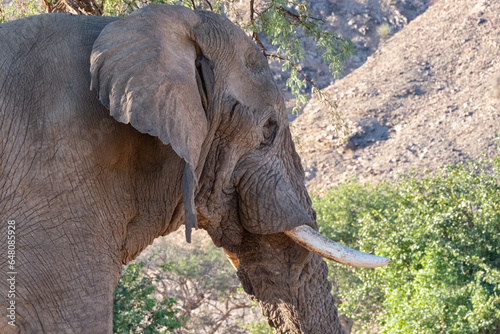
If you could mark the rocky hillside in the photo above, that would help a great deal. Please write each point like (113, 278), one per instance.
(429, 96)
(365, 22)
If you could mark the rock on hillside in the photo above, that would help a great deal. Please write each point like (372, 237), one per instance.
(429, 96)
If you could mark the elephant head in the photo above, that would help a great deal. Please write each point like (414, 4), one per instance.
(198, 83)
(198, 134)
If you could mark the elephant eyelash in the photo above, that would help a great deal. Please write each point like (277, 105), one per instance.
(269, 131)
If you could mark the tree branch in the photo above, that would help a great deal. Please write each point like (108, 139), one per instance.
(225, 316)
(255, 36)
(297, 17)
(252, 11)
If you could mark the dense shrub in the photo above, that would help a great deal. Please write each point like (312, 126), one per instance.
(136, 308)
(443, 235)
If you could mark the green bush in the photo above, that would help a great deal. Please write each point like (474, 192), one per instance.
(443, 235)
(18, 9)
(258, 327)
(135, 308)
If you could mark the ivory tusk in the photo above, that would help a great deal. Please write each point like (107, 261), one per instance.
(235, 262)
(313, 241)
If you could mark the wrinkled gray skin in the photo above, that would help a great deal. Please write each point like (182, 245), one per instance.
(188, 93)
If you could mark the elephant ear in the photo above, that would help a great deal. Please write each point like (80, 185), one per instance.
(143, 69)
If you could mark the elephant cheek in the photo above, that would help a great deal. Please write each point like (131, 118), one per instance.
(270, 206)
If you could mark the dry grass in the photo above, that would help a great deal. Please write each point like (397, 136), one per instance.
(384, 30)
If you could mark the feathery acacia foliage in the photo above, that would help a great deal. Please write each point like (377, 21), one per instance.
(136, 309)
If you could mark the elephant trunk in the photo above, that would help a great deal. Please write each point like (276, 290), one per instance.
(287, 279)
(290, 283)
(270, 204)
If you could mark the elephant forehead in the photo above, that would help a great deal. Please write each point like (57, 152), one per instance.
(238, 60)
(257, 91)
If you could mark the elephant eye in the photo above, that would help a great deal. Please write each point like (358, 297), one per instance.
(269, 131)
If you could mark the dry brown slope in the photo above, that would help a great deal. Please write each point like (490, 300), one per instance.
(427, 97)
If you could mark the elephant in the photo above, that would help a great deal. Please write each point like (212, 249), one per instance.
(115, 131)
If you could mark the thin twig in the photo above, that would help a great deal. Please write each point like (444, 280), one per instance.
(256, 38)
(296, 16)
(192, 3)
(225, 316)
(259, 14)
(209, 5)
(47, 5)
